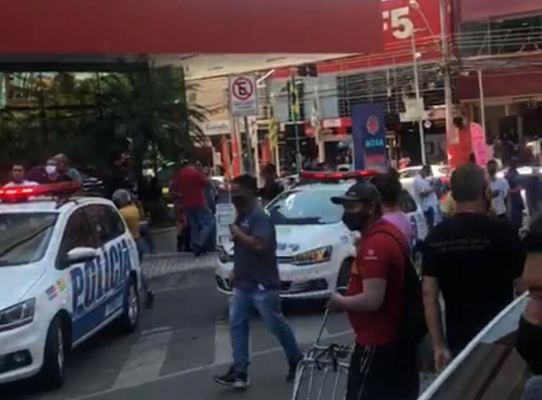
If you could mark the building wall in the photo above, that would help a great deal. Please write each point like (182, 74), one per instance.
(472, 10)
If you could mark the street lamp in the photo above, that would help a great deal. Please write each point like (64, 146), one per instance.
(419, 109)
(445, 51)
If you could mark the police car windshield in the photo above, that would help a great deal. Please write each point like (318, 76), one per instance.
(306, 207)
(24, 237)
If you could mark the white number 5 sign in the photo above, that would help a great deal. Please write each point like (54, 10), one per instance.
(401, 23)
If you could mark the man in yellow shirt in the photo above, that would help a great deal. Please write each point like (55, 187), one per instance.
(132, 216)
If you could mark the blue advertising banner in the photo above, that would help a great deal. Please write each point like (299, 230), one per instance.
(369, 135)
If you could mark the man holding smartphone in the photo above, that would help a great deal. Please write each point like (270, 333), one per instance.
(256, 284)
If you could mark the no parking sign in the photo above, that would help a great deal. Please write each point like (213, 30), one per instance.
(243, 95)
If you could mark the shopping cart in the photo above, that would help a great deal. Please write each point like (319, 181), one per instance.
(323, 373)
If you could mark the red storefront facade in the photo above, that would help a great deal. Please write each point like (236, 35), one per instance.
(114, 27)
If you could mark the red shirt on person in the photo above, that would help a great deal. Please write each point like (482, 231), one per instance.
(379, 257)
(190, 183)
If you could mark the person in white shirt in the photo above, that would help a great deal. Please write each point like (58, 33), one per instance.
(500, 190)
(17, 176)
(426, 195)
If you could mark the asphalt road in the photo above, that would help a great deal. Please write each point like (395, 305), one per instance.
(182, 343)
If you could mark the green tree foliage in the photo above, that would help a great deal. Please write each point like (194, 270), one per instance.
(89, 116)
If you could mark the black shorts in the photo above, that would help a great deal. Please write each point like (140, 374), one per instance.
(383, 373)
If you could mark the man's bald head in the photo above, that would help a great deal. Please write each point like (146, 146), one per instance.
(469, 183)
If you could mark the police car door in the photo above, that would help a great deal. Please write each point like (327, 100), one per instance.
(115, 260)
(71, 284)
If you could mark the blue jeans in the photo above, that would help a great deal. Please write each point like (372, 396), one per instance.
(267, 303)
(142, 249)
(201, 223)
(430, 218)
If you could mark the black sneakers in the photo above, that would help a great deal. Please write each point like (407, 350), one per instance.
(239, 380)
(292, 372)
(234, 379)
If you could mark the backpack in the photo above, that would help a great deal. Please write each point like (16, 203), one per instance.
(413, 328)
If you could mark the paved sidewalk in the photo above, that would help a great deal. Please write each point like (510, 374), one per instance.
(158, 265)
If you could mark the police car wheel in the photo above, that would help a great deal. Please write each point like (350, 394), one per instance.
(344, 274)
(132, 307)
(52, 373)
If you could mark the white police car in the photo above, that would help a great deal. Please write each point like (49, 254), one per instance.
(68, 268)
(315, 249)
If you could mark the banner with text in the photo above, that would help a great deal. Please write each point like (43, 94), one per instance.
(369, 134)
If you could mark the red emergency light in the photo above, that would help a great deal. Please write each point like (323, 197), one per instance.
(26, 192)
(337, 176)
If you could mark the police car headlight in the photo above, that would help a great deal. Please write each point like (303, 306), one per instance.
(18, 315)
(321, 255)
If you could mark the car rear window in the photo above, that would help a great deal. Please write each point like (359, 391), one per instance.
(24, 237)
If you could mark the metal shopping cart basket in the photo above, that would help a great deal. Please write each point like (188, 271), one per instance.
(323, 373)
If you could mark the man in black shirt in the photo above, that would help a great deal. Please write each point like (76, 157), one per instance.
(474, 259)
(117, 177)
(271, 188)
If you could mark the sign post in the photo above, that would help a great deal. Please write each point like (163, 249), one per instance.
(243, 91)
(243, 96)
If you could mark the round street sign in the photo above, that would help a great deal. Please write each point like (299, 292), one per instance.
(243, 96)
(243, 89)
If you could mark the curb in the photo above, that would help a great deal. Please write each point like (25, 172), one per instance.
(173, 270)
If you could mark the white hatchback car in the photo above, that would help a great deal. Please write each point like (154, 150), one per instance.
(315, 249)
(68, 268)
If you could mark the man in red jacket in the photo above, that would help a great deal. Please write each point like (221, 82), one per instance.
(382, 366)
(188, 187)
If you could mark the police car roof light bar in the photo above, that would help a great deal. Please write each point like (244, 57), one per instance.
(25, 192)
(335, 176)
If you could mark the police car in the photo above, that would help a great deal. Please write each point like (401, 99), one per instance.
(68, 268)
(315, 249)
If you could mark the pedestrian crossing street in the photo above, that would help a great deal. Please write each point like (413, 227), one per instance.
(164, 349)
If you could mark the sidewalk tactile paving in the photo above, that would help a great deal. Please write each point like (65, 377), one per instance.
(158, 265)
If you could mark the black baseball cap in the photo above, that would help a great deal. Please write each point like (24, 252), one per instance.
(362, 192)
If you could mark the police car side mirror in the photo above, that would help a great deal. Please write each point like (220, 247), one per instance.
(81, 255)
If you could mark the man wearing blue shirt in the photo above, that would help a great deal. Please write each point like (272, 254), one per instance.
(256, 284)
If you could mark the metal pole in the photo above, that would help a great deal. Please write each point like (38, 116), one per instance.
(418, 96)
(451, 135)
(297, 148)
(250, 154)
(239, 141)
(482, 99)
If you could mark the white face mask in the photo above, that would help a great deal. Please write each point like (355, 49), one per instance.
(50, 169)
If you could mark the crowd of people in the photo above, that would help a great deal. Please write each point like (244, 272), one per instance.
(474, 259)
(505, 195)
(118, 186)
(55, 170)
